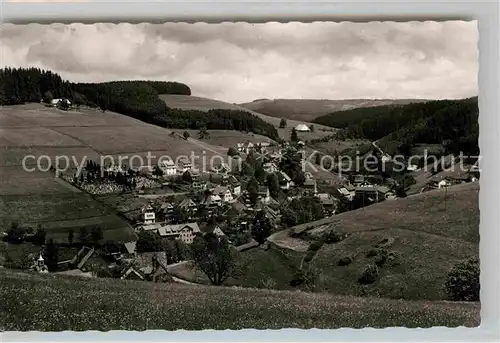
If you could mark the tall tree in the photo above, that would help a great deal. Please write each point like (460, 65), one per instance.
(294, 137)
(282, 123)
(213, 255)
(261, 227)
(50, 255)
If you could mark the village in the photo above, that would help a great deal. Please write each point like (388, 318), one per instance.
(267, 187)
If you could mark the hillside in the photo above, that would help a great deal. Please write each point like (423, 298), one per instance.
(309, 109)
(38, 197)
(204, 104)
(80, 304)
(429, 236)
(399, 128)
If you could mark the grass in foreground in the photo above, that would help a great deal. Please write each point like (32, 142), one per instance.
(54, 303)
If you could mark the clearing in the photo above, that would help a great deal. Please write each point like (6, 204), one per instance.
(205, 104)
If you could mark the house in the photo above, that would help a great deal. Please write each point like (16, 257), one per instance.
(58, 102)
(198, 186)
(373, 193)
(238, 206)
(130, 248)
(285, 180)
(224, 193)
(211, 228)
(443, 183)
(184, 164)
(302, 128)
(412, 167)
(169, 168)
(167, 209)
(310, 186)
(132, 274)
(148, 214)
(153, 265)
(347, 191)
(185, 232)
(263, 194)
(234, 185)
(301, 144)
(245, 147)
(327, 201)
(39, 265)
(270, 167)
(222, 168)
(188, 205)
(212, 201)
(358, 179)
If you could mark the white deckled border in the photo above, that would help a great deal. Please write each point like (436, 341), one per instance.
(487, 15)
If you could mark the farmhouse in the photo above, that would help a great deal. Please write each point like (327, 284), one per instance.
(184, 164)
(211, 228)
(234, 185)
(245, 147)
(185, 232)
(167, 209)
(169, 167)
(148, 214)
(302, 128)
(59, 101)
(224, 193)
(198, 186)
(188, 205)
(310, 186)
(285, 180)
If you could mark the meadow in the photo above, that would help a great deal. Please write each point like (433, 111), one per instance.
(56, 303)
(37, 197)
(205, 104)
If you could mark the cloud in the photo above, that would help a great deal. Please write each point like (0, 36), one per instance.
(239, 62)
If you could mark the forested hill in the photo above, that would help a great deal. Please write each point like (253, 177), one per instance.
(453, 123)
(138, 99)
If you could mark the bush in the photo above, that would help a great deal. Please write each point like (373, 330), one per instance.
(309, 256)
(369, 275)
(371, 253)
(316, 245)
(333, 237)
(462, 283)
(345, 261)
(381, 258)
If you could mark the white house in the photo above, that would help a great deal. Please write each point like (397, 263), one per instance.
(185, 232)
(444, 183)
(224, 193)
(412, 167)
(302, 128)
(234, 185)
(169, 167)
(55, 102)
(148, 214)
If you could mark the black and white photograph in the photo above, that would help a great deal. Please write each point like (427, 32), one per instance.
(193, 176)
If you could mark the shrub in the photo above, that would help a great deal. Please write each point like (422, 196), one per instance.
(462, 283)
(345, 261)
(369, 275)
(371, 253)
(316, 245)
(381, 257)
(333, 237)
(309, 256)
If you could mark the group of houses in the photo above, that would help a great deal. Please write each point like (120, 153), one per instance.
(170, 168)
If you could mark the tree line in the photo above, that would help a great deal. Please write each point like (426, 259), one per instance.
(137, 99)
(452, 122)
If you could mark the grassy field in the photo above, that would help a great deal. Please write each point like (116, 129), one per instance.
(57, 303)
(205, 104)
(33, 197)
(427, 240)
(228, 139)
(309, 109)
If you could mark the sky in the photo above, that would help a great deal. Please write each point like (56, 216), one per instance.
(241, 62)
